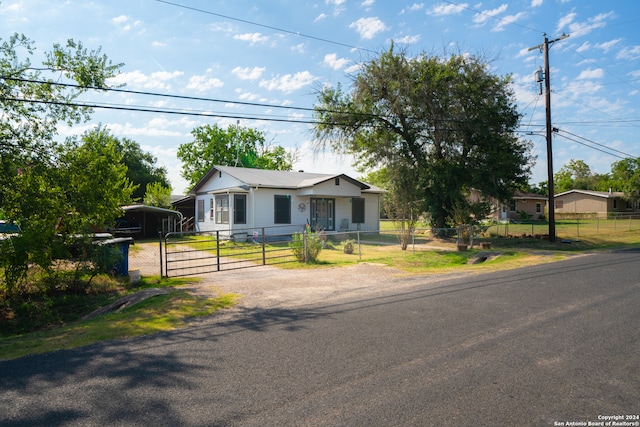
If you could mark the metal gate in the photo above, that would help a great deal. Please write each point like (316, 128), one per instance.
(195, 253)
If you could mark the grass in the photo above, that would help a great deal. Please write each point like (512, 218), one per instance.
(53, 322)
(156, 314)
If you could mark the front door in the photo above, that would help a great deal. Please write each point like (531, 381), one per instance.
(322, 214)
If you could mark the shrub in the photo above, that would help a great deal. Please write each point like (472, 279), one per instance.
(306, 246)
(347, 246)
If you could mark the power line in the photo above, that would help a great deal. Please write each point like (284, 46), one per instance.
(245, 21)
(593, 142)
(254, 116)
(593, 148)
(173, 96)
(163, 111)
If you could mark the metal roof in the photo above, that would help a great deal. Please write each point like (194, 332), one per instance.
(280, 179)
(605, 194)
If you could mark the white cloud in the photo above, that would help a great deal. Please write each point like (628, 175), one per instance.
(413, 8)
(203, 83)
(485, 15)
(444, 9)
(408, 39)
(583, 47)
(158, 44)
(582, 28)
(536, 3)
(368, 27)
(124, 22)
(367, 3)
(338, 6)
(289, 82)
(334, 62)
(162, 122)
(248, 73)
(252, 38)
(320, 17)
(129, 130)
(509, 19)
(247, 96)
(630, 53)
(576, 89)
(597, 73)
(120, 19)
(137, 79)
(607, 46)
(355, 68)
(222, 27)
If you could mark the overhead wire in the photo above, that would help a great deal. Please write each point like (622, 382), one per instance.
(107, 106)
(593, 148)
(593, 142)
(270, 27)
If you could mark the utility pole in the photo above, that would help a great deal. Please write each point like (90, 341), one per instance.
(544, 47)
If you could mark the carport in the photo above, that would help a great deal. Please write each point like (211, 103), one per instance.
(152, 219)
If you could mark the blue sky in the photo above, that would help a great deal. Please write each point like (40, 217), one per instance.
(252, 60)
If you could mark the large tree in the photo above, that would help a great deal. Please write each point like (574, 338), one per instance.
(449, 121)
(36, 185)
(141, 167)
(577, 175)
(625, 175)
(233, 146)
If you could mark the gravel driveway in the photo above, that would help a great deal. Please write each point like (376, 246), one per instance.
(271, 287)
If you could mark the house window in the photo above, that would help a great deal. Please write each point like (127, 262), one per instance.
(211, 209)
(512, 205)
(240, 209)
(337, 181)
(282, 209)
(357, 210)
(538, 207)
(615, 204)
(222, 209)
(200, 213)
(559, 204)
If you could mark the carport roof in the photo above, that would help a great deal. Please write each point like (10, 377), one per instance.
(139, 207)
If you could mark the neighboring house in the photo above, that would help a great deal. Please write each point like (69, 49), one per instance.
(532, 204)
(235, 200)
(596, 203)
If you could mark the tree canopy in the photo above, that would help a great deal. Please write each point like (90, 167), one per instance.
(625, 174)
(52, 189)
(233, 146)
(141, 167)
(446, 124)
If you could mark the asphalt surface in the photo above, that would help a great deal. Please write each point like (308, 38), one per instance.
(552, 344)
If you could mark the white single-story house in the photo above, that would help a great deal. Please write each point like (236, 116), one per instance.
(237, 200)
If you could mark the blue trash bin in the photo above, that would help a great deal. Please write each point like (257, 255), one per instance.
(121, 268)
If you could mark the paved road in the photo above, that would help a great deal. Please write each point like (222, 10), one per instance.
(544, 345)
